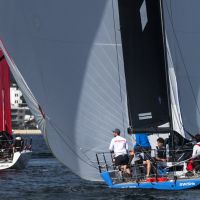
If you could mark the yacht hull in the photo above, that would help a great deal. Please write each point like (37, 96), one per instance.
(19, 161)
(179, 184)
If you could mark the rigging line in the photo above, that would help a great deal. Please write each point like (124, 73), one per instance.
(183, 61)
(59, 133)
(116, 47)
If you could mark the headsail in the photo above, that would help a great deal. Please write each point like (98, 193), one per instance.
(5, 110)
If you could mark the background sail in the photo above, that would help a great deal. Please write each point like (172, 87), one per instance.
(5, 110)
(27, 94)
(142, 41)
(183, 31)
(69, 52)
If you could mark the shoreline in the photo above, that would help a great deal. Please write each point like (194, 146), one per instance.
(28, 131)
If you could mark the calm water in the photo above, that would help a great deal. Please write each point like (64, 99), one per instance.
(46, 179)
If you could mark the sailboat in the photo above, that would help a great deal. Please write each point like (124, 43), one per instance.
(85, 67)
(14, 151)
(153, 100)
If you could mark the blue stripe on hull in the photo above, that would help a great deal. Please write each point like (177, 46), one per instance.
(168, 185)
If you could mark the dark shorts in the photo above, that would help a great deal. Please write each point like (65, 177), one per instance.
(147, 153)
(145, 150)
(121, 160)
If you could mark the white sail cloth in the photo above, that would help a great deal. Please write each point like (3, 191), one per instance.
(70, 55)
(175, 108)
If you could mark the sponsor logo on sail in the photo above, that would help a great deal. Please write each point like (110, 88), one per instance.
(143, 116)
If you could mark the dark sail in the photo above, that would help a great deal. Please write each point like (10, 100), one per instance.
(144, 60)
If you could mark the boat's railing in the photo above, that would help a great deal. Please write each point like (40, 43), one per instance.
(27, 144)
(105, 161)
(159, 169)
(8, 147)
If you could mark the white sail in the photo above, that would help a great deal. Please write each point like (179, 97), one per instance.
(69, 52)
(175, 107)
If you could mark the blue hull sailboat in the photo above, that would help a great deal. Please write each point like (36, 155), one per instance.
(88, 66)
(151, 95)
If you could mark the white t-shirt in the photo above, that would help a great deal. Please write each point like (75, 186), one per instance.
(119, 145)
(196, 149)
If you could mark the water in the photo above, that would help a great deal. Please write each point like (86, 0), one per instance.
(47, 179)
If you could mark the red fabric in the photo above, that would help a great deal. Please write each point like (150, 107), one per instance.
(190, 165)
(5, 110)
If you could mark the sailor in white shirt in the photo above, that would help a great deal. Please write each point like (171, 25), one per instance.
(119, 146)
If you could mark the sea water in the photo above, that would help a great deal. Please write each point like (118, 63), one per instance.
(47, 179)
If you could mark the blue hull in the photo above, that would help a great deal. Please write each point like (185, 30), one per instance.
(180, 184)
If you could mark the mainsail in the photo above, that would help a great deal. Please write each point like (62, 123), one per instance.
(144, 61)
